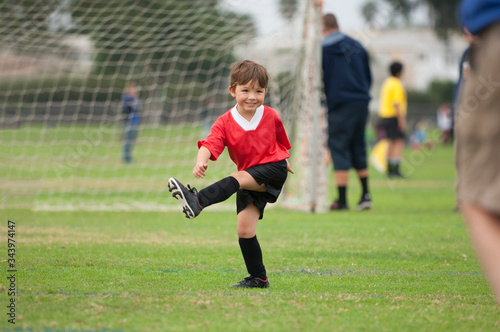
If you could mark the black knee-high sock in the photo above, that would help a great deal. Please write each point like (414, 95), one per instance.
(252, 254)
(218, 192)
(342, 194)
(364, 184)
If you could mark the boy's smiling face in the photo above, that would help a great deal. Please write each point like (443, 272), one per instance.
(249, 96)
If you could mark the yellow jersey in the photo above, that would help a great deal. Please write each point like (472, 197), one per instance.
(392, 92)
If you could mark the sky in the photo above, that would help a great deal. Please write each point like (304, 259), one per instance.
(348, 12)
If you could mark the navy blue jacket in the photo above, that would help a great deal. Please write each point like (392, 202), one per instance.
(346, 70)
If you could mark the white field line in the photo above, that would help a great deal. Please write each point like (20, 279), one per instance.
(135, 206)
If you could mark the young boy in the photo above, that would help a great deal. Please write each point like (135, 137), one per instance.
(258, 145)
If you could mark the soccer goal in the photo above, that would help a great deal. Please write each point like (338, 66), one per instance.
(65, 66)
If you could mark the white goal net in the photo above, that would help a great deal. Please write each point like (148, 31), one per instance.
(65, 142)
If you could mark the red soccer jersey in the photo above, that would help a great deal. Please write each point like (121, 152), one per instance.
(260, 141)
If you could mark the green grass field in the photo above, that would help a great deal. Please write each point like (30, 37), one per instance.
(406, 265)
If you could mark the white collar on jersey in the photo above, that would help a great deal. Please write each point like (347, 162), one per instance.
(244, 123)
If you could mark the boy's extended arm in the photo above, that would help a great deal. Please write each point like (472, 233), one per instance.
(201, 162)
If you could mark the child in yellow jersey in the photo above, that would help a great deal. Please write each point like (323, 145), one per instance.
(392, 111)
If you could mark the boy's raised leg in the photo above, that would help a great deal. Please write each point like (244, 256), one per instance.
(193, 202)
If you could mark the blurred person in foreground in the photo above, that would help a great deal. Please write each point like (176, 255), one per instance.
(347, 81)
(392, 112)
(463, 73)
(477, 130)
(131, 119)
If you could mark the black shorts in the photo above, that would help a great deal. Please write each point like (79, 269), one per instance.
(273, 176)
(391, 128)
(346, 135)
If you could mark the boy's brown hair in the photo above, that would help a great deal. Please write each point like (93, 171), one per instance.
(248, 71)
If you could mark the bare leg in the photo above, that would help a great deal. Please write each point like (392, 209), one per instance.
(247, 182)
(484, 230)
(395, 148)
(399, 145)
(390, 148)
(341, 178)
(362, 173)
(247, 221)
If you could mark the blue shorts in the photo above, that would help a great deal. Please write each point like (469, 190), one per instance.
(273, 176)
(346, 135)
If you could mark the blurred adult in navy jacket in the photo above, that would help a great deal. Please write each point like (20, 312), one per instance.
(347, 81)
(477, 129)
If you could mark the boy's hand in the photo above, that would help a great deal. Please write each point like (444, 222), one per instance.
(200, 170)
(289, 168)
